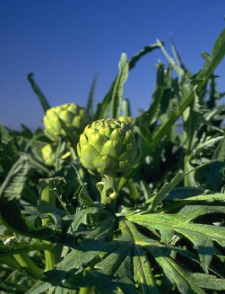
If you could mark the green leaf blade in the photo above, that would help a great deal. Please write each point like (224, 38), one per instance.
(38, 92)
(118, 88)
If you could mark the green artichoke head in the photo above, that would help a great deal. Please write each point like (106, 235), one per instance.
(109, 146)
(74, 117)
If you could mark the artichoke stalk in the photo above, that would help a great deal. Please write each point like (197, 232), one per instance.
(109, 147)
(67, 117)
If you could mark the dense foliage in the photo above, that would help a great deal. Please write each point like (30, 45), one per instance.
(146, 216)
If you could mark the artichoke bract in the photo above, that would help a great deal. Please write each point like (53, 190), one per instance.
(109, 146)
(127, 119)
(73, 116)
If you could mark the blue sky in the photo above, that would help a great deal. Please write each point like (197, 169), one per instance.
(66, 43)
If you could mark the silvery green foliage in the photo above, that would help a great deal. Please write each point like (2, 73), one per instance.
(163, 232)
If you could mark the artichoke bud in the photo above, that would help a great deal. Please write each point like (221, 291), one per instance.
(73, 116)
(48, 154)
(109, 146)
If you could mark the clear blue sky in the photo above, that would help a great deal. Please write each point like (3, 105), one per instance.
(66, 43)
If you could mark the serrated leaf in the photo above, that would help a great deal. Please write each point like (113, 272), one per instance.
(212, 175)
(39, 287)
(185, 192)
(10, 194)
(176, 54)
(209, 143)
(103, 107)
(69, 272)
(150, 116)
(89, 107)
(81, 217)
(219, 153)
(220, 197)
(10, 287)
(177, 67)
(127, 286)
(200, 79)
(111, 263)
(113, 97)
(38, 92)
(118, 87)
(84, 196)
(62, 290)
(77, 258)
(142, 271)
(201, 235)
(144, 51)
(213, 60)
(165, 190)
(174, 272)
(146, 191)
(73, 261)
(179, 276)
(16, 248)
(209, 281)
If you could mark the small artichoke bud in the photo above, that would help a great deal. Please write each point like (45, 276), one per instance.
(49, 154)
(109, 146)
(73, 116)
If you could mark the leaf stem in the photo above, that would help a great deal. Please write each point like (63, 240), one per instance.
(28, 265)
(109, 191)
(89, 290)
(48, 198)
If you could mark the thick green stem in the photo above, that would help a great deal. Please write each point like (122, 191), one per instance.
(186, 170)
(109, 191)
(89, 290)
(28, 265)
(48, 199)
(188, 143)
(188, 179)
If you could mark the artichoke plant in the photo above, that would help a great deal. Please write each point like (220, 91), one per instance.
(67, 116)
(109, 146)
